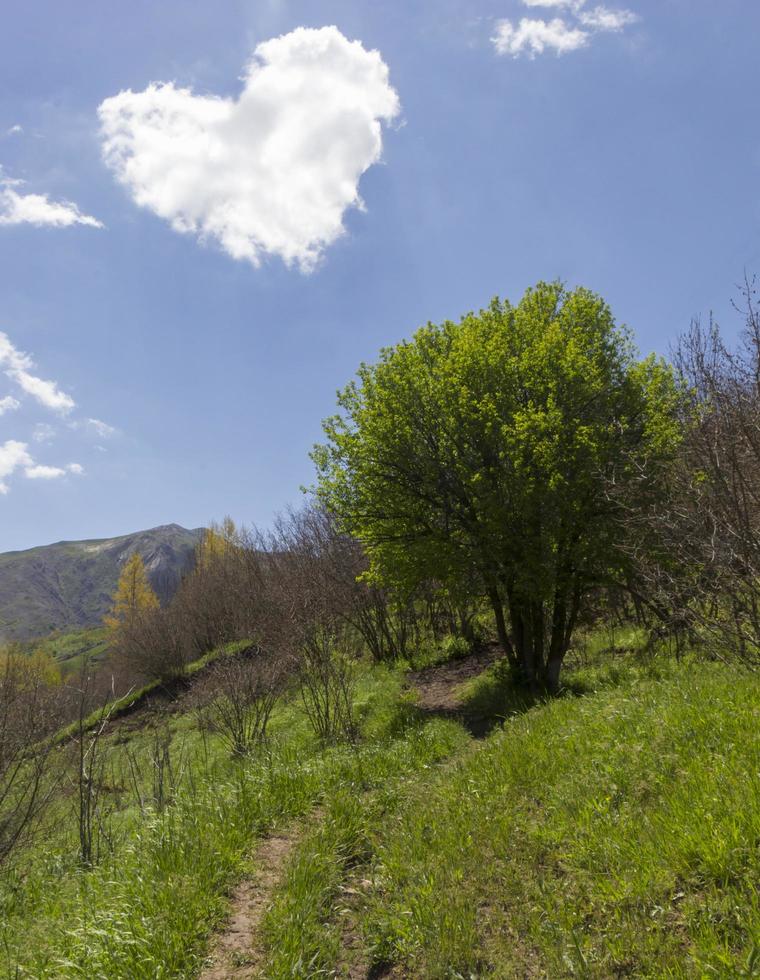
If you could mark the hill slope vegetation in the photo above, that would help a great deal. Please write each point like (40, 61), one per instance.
(69, 585)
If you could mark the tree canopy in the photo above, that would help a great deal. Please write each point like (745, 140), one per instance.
(133, 595)
(486, 451)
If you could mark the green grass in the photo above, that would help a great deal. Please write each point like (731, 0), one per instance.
(121, 706)
(302, 937)
(72, 647)
(611, 832)
(616, 834)
(148, 906)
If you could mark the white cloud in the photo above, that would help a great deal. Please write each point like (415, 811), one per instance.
(602, 19)
(43, 432)
(101, 429)
(269, 173)
(38, 209)
(533, 37)
(17, 367)
(15, 130)
(37, 471)
(47, 393)
(8, 404)
(573, 5)
(13, 454)
(40, 472)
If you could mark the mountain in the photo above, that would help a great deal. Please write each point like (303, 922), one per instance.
(69, 585)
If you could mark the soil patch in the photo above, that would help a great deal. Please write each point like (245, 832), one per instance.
(437, 688)
(236, 952)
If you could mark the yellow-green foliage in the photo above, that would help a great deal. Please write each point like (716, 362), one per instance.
(36, 668)
(133, 594)
(218, 542)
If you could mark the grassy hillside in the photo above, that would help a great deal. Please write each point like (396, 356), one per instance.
(612, 832)
(70, 648)
(68, 586)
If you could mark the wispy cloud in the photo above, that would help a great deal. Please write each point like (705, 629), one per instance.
(602, 19)
(101, 429)
(534, 36)
(43, 432)
(15, 455)
(18, 367)
(8, 404)
(272, 172)
(38, 210)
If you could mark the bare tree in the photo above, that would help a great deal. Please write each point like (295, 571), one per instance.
(307, 617)
(156, 643)
(696, 553)
(30, 711)
(90, 766)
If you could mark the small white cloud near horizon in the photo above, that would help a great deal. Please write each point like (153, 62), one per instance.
(14, 453)
(38, 209)
(14, 130)
(18, 365)
(532, 36)
(270, 173)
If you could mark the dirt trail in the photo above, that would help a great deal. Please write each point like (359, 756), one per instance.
(436, 687)
(236, 953)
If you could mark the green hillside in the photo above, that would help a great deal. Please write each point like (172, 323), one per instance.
(614, 831)
(69, 585)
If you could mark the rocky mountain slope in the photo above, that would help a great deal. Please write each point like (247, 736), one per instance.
(69, 584)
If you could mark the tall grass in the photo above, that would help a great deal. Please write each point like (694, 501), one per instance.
(610, 835)
(147, 908)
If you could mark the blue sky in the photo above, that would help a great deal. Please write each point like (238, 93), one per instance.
(614, 146)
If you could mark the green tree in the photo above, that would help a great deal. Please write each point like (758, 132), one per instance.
(505, 448)
(133, 595)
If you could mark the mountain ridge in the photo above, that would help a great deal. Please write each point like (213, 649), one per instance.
(69, 584)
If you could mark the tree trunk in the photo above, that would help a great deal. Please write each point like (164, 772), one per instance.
(501, 627)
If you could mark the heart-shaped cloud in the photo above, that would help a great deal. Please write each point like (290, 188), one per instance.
(269, 173)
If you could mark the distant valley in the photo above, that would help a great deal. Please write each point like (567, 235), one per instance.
(69, 585)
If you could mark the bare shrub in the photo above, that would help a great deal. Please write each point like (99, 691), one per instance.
(307, 618)
(90, 770)
(328, 683)
(696, 554)
(239, 695)
(30, 711)
(155, 644)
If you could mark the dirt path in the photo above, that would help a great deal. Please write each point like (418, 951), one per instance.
(437, 686)
(237, 953)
